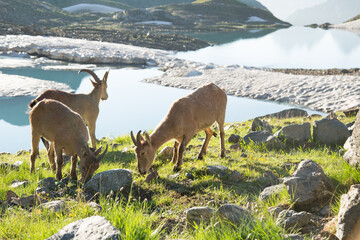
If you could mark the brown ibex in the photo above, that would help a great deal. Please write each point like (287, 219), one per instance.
(66, 130)
(87, 105)
(187, 116)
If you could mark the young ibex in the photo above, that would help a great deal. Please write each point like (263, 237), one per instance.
(187, 116)
(66, 130)
(87, 105)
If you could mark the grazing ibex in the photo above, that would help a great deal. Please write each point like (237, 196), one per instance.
(66, 130)
(187, 116)
(87, 105)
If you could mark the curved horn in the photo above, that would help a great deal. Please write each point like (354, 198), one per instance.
(98, 159)
(133, 138)
(97, 151)
(96, 78)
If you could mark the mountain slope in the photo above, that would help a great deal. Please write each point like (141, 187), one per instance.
(332, 11)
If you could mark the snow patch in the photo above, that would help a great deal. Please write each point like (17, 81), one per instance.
(192, 73)
(156, 23)
(255, 19)
(13, 86)
(92, 8)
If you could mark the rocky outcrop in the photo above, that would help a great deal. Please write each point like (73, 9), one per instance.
(272, 192)
(198, 215)
(259, 125)
(264, 137)
(308, 186)
(91, 228)
(330, 132)
(234, 214)
(348, 226)
(295, 133)
(352, 145)
(289, 219)
(111, 180)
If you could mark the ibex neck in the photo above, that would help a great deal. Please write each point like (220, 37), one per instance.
(160, 136)
(95, 94)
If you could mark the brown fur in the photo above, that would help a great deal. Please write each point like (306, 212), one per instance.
(67, 132)
(186, 117)
(87, 105)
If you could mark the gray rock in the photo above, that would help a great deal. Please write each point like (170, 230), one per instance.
(18, 184)
(264, 137)
(352, 145)
(288, 113)
(234, 138)
(349, 214)
(217, 170)
(9, 166)
(308, 185)
(47, 183)
(330, 132)
(111, 180)
(289, 219)
(54, 206)
(275, 211)
(235, 146)
(272, 192)
(234, 177)
(94, 206)
(234, 214)
(91, 228)
(293, 237)
(198, 215)
(295, 133)
(166, 153)
(259, 125)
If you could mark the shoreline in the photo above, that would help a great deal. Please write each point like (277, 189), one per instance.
(324, 90)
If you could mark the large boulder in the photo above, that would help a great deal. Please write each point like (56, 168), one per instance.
(348, 226)
(54, 206)
(111, 180)
(295, 133)
(259, 125)
(272, 192)
(330, 132)
(352, 145)
(289, 219)
(288, 113)
(234, 214)
(91, 228)
(308, 186)
(264, 137)
(198, 215)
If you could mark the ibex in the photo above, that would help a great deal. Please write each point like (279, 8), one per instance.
(66, 130)
(87, 105)
(187, 116)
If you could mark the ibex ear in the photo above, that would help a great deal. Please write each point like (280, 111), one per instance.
(147, 137)
(105, 76)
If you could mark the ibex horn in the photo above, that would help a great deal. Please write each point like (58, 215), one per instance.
(96, 78)
(133, 138)
(138, 138)
(98, 159)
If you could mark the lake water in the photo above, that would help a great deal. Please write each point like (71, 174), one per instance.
(134, 105)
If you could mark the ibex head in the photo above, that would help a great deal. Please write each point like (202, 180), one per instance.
(90, 162)
(145, 152)
(97, 83)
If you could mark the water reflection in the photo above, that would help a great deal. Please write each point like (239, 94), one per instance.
(295, 47)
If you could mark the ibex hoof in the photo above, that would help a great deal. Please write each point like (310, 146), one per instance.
(200, 157)
(176, 168)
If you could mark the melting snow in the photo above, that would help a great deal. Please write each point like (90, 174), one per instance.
(255, 19)
(155, 22)
(92, 8)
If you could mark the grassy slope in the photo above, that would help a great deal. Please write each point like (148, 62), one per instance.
(167, 198)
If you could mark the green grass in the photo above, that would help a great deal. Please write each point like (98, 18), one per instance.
(153, 210)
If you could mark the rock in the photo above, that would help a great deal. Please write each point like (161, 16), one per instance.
(91, 228)
(189, 175)
(94, 206)
(293, 237)
(111, 180)
(351, 112)
(217, 170)
(289, 219)
(28, 201)
(54, 206)
(264, 137)
(198, 215)
(47, 183)
(9, 166)
(166, 153)
(234, 214)
(16, 184)
(272, 192)
(234, 177)
(287, 113)
(348, 226)
(235, 146)
(151, 176)
(259, 125)
(275, 211)
(10, 195)
(330, 132)
(234, 138)
(352, 145)
(192, 73)
(308, 186)
(295, 133)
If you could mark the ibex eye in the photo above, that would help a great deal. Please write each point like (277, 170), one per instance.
(142, 154)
